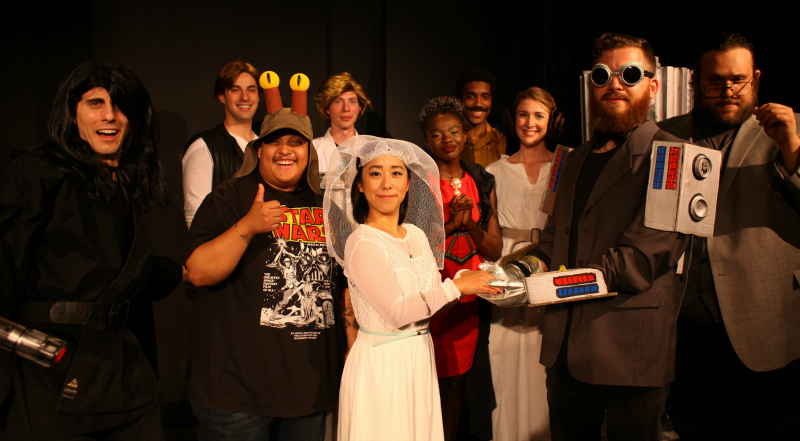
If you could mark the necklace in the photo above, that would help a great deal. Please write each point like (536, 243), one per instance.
(408, 249)
(455, 184)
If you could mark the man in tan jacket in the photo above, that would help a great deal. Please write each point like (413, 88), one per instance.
(738, 373)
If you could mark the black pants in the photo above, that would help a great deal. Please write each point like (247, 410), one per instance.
(577, 409)
(715, 396)
(144, 426)
(468, 399)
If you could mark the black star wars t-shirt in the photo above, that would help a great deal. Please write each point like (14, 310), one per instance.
(264, 340)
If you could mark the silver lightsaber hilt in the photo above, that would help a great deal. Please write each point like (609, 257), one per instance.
(31, 344)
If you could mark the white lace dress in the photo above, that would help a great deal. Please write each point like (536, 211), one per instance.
(389, 391)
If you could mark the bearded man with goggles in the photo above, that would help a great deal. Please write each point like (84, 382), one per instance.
(615, 356)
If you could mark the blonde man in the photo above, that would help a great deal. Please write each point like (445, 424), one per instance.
(341, 100)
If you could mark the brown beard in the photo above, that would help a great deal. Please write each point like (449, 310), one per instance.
(609, 121)
(708, 114)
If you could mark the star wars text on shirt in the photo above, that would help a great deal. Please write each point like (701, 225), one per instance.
(297, 276)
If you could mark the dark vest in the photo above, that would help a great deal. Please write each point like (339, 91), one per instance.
(225, 152)
(485, 183)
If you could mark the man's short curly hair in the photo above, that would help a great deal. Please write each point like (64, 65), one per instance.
(337, 85)
(440, 105)
(612, 40)
(475, 74)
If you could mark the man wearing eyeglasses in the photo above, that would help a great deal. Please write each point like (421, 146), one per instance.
(612, 357)
(738, 373)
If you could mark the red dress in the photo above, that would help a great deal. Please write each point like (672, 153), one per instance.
(455, 330)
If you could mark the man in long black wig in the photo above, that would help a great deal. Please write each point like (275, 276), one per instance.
(75, 263)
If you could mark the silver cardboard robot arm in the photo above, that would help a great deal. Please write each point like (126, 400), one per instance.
(31, 344)
(511, 277)
(682, 190)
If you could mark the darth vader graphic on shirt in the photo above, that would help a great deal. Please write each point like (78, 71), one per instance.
(298, 274)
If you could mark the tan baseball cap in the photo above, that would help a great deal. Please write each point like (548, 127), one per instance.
(284, 119)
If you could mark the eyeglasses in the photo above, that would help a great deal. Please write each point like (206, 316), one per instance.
(630, 74)
(737, 88)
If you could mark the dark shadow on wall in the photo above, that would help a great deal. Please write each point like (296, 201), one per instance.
(37, 48)
(169, 235)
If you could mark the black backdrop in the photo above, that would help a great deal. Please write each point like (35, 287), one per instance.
(405, 52)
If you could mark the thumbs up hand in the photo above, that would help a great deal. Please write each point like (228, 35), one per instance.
(263, 217)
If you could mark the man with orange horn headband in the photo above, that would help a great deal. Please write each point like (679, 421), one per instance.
(263, 346)
(213, 156)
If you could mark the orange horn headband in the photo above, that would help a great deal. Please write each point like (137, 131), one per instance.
(269, 82)
(299, 83)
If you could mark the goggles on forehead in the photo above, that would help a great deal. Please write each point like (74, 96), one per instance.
(630, 74)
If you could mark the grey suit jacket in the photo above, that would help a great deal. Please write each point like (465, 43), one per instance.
(755, 251)
(627, 340)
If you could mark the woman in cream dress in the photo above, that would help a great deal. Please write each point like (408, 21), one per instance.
(515, 340)
(390, 244)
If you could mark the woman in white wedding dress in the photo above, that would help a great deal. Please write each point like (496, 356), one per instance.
(390, 244)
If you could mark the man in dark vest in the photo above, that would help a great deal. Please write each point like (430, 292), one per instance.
(213, 156)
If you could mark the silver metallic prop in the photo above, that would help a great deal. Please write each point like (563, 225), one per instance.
(31, 344)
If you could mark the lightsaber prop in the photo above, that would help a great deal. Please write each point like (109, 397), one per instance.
(31, 344)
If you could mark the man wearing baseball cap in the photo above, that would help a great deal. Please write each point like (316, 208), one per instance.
(263, 345)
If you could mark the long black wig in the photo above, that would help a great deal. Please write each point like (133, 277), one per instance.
(139, 170)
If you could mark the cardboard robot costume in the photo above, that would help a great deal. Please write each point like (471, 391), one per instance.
(526, 284)
(549, 198)
(681, 196)
(683, 186)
